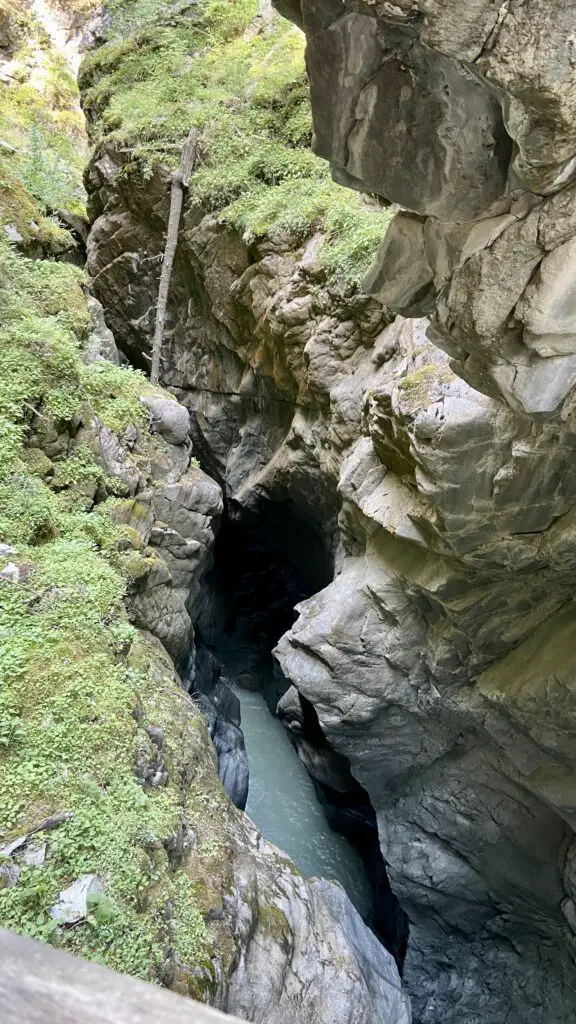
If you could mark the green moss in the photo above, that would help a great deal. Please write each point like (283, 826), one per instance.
(189, 932)
(37, 462)
(29, 510)
(247, 93)
(43, 377)
(115, 393)
(78, 684)
(415, 388)
(274, 921)
(137, 565)
(69, 742)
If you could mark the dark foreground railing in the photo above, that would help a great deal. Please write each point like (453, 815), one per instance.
(42, 985)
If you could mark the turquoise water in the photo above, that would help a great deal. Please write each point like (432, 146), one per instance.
(282, 802)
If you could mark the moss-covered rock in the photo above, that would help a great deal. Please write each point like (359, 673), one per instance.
(79, 685)
(241, 81)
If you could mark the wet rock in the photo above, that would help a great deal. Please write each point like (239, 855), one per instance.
(228, 741)
(297, 935)
(285, 949)
(221, 709)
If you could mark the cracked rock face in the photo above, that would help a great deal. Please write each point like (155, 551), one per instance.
(466, 750)
(304, 952)
(439, 661)
(463, 113)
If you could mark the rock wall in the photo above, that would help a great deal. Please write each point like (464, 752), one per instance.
(439, 660)
(187, 893)
(117, 840)
(476, 107)
(305, 397)
(458, 608)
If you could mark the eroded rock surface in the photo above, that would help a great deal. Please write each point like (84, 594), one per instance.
(438, 660)
(454, 545)
(463, 114)
(283, 949)
(457, 508)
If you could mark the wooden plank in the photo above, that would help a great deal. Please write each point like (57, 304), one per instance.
(43, 985)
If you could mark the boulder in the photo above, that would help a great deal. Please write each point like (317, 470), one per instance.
(169, 418)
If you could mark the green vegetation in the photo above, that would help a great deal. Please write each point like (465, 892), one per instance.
(416, 387)
(273, 920)
(78, 684)
(43, 377)
(42, 136)
(246, 91)
(73, 710)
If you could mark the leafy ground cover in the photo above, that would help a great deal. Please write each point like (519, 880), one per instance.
(78, 684)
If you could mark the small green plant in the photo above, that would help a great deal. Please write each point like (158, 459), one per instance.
(47, 175)
(189, 932)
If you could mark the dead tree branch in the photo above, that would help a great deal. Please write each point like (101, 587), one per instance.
(180, 182)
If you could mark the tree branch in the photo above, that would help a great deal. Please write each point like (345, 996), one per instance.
(180, 181)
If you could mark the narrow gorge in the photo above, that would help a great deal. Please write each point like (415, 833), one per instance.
(312, 595)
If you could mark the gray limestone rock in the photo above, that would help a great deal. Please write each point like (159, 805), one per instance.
(11, 573)
(463, 113)
(442, 483)
(453, 544)
(72, 904)
(304, 952)
(169, 418)
(181, 523)
(100, 344)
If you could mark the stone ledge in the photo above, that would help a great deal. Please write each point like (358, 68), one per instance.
(42, 985)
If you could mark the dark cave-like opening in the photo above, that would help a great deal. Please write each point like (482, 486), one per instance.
(265, 563)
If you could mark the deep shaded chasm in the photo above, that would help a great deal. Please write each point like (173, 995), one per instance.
(366, 413)
(264, 565)
(119, 842)
(442, 479)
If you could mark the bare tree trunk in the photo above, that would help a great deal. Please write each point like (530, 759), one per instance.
(180, 181)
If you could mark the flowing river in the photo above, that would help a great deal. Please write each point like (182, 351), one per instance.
(282, 802)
